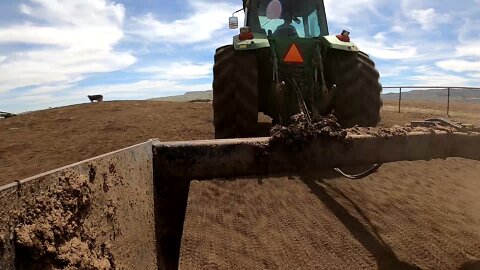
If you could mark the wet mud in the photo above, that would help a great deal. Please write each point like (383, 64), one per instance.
(301, 132)
(51, 235)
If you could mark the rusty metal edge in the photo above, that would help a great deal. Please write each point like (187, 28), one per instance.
(238, 157)
(262, 141)
(17, 183)
(257, 140)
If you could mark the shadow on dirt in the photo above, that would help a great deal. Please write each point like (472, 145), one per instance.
(362, 230)
(473, 265)
(263, 129)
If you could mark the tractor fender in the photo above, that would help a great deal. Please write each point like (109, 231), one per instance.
(334, 43)
(259, 41)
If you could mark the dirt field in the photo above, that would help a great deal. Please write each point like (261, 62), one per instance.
(409, 215)
(460, 111)
(37, 142)
(40, 141)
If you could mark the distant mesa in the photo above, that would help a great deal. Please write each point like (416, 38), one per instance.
(439, 95)
(456, 95)
(194, 96)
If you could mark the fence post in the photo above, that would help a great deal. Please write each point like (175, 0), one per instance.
(448, 103)
(400, 101)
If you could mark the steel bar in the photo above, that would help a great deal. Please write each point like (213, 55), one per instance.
(448, 102)
(400, 101)
(432, 87)
(234, 158)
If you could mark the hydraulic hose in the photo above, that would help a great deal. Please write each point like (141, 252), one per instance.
(364, 174)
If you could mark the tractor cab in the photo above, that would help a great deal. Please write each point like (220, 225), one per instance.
(285, 21)
(287, 18)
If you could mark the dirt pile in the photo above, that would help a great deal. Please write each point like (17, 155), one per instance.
(300, 132)
(398, 130)
(50, 233)
(385, 132)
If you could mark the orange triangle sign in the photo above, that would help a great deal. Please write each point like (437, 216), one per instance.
(293, 55)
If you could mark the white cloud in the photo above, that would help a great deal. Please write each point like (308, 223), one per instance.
(459, 65)
(427, 75)
(341, 12)
(442, 79)
(392, 71)
(203, 25)
(383, 50)
(466, 58)
(468, 49)
(100, 37)
(144, 88)
(428, 18)
(48, 89)
(179, 71)
(474, 75)
(77, 38)
(58, 66)
(75, 12)
(470, 29)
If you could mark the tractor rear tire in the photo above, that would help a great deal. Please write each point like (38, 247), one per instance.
(245, 79)
(223, 93)
(235, 93)
(357, 100)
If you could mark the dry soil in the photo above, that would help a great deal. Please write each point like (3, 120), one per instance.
(40, 141)
(408, 215)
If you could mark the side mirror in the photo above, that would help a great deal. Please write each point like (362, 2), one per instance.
(233, 22)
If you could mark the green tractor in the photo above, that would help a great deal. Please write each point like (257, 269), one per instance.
(284, 62)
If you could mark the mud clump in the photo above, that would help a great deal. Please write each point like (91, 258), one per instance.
(301, 132)
(383, 132)
(50, 233)
(380, 131)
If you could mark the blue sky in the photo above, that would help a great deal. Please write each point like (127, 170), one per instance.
(55, 52)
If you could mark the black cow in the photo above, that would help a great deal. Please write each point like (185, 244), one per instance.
(97, 98)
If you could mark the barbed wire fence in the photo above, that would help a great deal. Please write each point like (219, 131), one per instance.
(448, 90)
